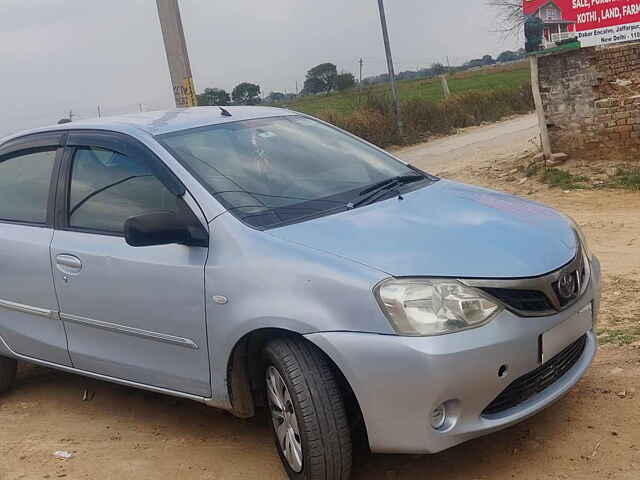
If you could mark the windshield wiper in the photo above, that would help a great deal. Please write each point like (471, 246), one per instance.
(384, 186)
(402, 179)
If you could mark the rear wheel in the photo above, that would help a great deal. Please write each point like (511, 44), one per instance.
(306, 411)
(8, 368)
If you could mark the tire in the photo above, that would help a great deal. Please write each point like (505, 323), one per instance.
(304, 382)
(8, 368)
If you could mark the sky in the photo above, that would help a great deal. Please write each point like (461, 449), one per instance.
(62, 55)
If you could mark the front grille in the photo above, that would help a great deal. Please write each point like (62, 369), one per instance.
(543, 295)
(531, 301)
(538, 380)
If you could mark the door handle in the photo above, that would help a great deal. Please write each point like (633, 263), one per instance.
(68, 264)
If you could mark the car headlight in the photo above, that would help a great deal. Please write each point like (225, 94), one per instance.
(426, 307)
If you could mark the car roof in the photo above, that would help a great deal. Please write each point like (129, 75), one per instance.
(163, 121)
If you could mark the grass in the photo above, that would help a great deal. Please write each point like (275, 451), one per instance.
(619, 337)
(554, 177)
(624, 179)
(488, 79)
(628, 179)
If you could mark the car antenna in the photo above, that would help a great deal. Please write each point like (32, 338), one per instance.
(225, 112)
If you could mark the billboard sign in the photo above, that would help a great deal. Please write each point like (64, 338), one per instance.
(560, 24)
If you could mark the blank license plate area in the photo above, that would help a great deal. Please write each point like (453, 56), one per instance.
(564, 334)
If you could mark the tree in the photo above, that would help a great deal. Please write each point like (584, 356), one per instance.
(345, 81)
(213, 96)
(321, 78)
(480, 62)
(438, 69)
(488, 60)
(246, 94)
(313, 86)
(510, 16)
(508, 56)
(275, 97)
(533, 32)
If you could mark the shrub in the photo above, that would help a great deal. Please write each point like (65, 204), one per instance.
(374, 117)
(371, 125)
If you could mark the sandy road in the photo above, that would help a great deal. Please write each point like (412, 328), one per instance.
(473, 145)
(593, 433)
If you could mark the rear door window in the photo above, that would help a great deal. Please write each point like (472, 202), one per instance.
(24, 186)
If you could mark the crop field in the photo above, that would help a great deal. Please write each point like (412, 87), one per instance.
(487, 79)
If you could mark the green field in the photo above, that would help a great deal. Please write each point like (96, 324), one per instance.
(505, 76)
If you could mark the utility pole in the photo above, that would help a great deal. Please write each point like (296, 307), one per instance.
(177, 55)
(99, 112)
(71, 115)
(361, 62)
(392, 75)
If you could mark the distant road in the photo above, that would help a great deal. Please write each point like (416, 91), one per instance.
(473, 145)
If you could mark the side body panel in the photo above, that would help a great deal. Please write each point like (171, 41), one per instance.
(271, 283)
(29, 322)
(135, 313)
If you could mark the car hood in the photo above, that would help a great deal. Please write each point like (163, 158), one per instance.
(445, 230)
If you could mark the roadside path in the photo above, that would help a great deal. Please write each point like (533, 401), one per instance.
(472, 145)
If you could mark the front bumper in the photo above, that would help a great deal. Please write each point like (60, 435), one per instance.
(398, 381)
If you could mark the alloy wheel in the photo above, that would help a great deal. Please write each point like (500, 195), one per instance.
(285, 421)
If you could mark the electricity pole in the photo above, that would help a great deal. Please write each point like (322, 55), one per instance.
(392, 75)
(177, 56)
(361, 62)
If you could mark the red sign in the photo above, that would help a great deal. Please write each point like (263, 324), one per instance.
(580, 23)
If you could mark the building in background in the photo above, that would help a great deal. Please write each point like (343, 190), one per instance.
(557, 28)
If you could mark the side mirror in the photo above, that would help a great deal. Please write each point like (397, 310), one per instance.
(162, 228)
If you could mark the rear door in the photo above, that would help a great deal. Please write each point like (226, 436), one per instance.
(29, 322)
(133, 313)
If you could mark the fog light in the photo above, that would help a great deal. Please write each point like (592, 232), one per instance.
(439, 417)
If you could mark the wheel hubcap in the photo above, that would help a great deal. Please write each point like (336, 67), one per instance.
(285, 421)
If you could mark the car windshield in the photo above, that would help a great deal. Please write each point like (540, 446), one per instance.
(275, 171)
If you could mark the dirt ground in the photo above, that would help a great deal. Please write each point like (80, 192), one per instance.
(592, 433)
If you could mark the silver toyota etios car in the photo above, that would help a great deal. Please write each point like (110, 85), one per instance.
(257, 256)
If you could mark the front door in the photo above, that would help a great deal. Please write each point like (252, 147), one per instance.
(29, 322)
(136, 314)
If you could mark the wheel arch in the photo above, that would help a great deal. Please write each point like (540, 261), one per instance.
(245, 377)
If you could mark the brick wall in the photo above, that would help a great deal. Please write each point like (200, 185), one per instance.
(591, 98)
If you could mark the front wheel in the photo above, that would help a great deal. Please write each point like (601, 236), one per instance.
(307, 411)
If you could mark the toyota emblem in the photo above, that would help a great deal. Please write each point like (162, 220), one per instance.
(568, 286)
